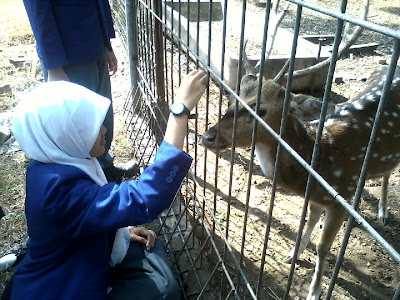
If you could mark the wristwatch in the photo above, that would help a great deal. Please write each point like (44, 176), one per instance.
(178, 108)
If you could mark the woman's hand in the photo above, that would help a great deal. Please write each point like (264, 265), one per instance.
(191, 88)
(143, 236)
(57, 74)
(189, 93)
(112, 62)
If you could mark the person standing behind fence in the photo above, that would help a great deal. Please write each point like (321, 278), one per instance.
(79, 246)
(73, 44)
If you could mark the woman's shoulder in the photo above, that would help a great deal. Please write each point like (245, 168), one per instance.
(63, 172)
(49, 184)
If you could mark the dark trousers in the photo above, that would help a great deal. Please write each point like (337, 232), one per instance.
(144, 275)
(95, 76)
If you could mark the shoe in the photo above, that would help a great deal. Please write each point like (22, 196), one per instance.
(118, 174)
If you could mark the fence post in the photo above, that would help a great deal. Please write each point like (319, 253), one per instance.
(159, 69)
(131, 31)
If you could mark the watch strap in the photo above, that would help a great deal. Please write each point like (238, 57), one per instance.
(185, 111)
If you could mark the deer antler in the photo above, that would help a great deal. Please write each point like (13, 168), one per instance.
(255, 70)
(246, 63)
(281, 72)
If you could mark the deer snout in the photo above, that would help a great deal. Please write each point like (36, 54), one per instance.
(211, 139)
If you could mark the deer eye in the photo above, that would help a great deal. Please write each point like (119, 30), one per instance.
(262, 112)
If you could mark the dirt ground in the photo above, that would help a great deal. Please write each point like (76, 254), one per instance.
(367, 273)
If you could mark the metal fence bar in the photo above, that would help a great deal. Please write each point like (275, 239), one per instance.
(315, 152)
(279, 151)
(203, 209)
(348, 18)
(131, 35)
(260, 81)
(235, 260)
(361, 181)
(241, 54)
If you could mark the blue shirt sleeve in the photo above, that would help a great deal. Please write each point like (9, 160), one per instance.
(66, 198)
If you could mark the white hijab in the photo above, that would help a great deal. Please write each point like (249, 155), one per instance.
(58, 122)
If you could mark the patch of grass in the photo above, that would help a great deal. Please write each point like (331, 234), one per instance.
(4, 278)
(12, 188)
(12, 198)
(14, 23)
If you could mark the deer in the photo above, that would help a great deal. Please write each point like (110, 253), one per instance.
(345, 137)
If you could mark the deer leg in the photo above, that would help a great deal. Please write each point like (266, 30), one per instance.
(383, 206)
(333, 220)
(314, 214)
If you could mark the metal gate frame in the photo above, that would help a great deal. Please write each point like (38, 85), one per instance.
(159, 56)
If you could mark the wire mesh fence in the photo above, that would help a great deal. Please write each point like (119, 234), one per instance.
(230, 227)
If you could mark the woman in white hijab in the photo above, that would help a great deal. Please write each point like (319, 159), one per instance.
(79, 244)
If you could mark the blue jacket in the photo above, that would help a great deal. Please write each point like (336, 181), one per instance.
(70, 31)
(72, 223)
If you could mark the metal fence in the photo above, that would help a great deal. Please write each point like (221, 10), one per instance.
(226, 233)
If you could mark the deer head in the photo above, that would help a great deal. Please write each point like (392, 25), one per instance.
(302, 107)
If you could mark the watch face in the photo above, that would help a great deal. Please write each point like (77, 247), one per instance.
(177, 108)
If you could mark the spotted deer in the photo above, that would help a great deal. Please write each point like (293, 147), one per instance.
(344, 142)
